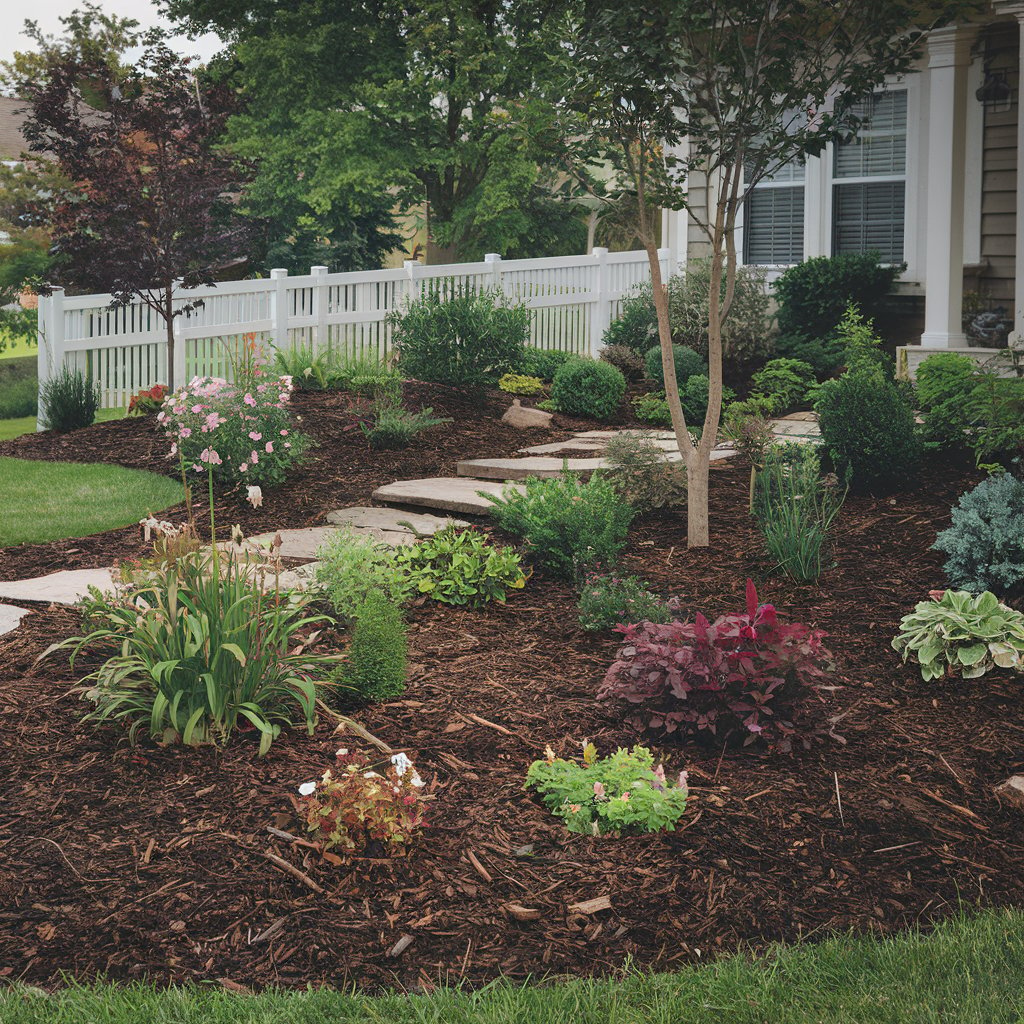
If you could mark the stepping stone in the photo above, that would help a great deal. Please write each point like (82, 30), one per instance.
(389, 520)
(806, 416)
(520, 469)
(456, 494)
(302, 577)
(10, 616)
(294, 543)
(68, 586)
(659, 435)
(572, 445)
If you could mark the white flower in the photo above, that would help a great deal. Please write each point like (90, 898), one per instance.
(341, 751)
(402, 763)
(254, 495)
(307, 789)
(416, 780)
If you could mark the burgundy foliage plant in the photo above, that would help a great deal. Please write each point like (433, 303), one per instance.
(744, 675)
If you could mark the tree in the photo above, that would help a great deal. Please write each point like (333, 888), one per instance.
(724, 92)
(151, 208)
(413, 100)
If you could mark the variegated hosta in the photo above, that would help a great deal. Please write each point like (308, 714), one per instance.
(962, 634)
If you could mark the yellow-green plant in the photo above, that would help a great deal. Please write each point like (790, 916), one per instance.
(521, 384)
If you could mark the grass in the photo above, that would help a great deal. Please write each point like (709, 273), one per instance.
(45, 501)
(27, 424)
(16, 347)
(969, 971)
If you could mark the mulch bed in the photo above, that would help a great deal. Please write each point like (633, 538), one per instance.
(148, 862)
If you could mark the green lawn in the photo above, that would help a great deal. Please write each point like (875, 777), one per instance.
(41, 501)
(16, 347)
(27, 424)
(966, 972)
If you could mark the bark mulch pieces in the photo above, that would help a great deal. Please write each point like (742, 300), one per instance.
(154, 862)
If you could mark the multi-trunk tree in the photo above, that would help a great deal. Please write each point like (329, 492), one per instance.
(669, 93)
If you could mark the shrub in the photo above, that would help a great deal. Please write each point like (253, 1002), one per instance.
(364, 375)
(945, 382)
(628, 360)
(814, 295)
(19, 398)
(985, 542)
(351, 566)
(395, 426)
(652, 409)
(751, 434)
(687, 363)
(861, 345)
(521, 384)
(361, 805)
(996, 410)
(242, 431)
(640, 471)
(466, 340)
(868, 428)
(587, 387)
(784, 382)
(376, 667)
(147, 401)
(570, 525)
(636, 326)
(460, 567)
(309, 370)
(69, 400)
(201, 649)
(742, 675)
(826, 354)
(693, 396)
(543, 363)
(962, 635)
(624, 792)
(796, 509)
(608, 601)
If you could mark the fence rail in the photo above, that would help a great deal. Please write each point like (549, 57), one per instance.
(571, 299)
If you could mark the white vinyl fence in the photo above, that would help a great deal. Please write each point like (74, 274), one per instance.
(571, 299)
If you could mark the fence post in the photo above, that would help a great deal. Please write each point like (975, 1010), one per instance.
(50, 338)
(602, 308)
(412, 268)
(180, 368)
(665, 258)
(279, 306)
(494, 259)
(320, 305)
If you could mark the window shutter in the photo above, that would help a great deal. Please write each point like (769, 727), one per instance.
(868, 217)
(880, 147)
(773, 230)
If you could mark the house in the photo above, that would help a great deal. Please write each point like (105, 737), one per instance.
(931, 181)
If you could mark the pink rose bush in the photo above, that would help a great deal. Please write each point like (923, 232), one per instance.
(217, 425)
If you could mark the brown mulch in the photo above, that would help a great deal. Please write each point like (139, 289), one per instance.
(148, 862)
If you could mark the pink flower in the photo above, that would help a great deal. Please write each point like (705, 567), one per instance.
(625, 797)
(197, 407)
(253, 458)
(284, 433)
(575, 808)
(174, 449)
(599, 790)
(185, 432)
(287, 444)
(270, 447)
(243, 467)
(213, 421)
(255, 435)
(210, 456)
(248, 399)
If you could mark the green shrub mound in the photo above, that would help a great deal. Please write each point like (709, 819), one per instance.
(687, 363)
(868, 428)
(543, 363)
(985, 543)
(826, 355)
(69, 400)
(636, 326)
(377, 664)
(352, 566)
(629, 361)
(785, 383)
(588, 387)
(944, 384)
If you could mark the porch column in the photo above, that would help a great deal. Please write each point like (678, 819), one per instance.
(948, 59)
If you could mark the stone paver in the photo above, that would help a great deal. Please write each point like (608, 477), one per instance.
(574, 444)
(10, 616)
(455, 494)
(520, 469)
(301, 543)
(68, 586)
(661, 435)
(389, 520)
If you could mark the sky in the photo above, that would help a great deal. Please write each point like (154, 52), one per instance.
(48, 13)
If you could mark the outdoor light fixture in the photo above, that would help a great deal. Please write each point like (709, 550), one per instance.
(995, 90)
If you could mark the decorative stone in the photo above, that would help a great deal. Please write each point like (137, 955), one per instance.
(574, 444)
(1012, 791)
(517, 416)
(654, 435)
(10, 616)
(302, 577)
(301, 543)
(68, 586)
(520, 469)
(457, 494)
(389, 520)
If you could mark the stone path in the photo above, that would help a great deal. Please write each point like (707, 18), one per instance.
(68, 586)
(455, 494)
(10, 616)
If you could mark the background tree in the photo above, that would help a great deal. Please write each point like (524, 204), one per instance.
(412, 100)
(725, 92)
(151, 200)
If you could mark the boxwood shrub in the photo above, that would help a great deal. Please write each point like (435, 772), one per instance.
(588, 387)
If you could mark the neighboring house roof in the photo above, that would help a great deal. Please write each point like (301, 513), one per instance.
(12, 142)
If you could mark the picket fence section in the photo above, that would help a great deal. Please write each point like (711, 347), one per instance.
(572, 300)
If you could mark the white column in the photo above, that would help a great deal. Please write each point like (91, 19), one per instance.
(948, 59)
(320, 297)
(279, 306)
(601, 311)
(493, 259)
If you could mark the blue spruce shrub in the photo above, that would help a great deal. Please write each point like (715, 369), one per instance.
(985, 544)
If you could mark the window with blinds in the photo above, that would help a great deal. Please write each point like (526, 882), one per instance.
(869, 180)
(773, 218)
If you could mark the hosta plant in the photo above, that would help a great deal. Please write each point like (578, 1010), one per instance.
(962, 634)
(624, 792)
(744, 675)
(363, 806)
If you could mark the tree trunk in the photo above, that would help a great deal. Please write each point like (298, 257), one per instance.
(697, 474)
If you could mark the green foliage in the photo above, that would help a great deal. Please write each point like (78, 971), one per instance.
(68, 400)
(198, 651)
(543, 363)
(638, 469)
(588, 387)
(652, 408)
(364, 374)
(352, 566)
(687, 363)
(795, 508)
(636, 326)
(693, 396)
(814, 295)
(460, 567)
(570, 526)
(467, 340)
(862, 347)
(607, 601)
(985, 543)
(962, 634)
(945, 382)
(869, 431)
(826, 355)
(308, 369)
(624, 358)
(617, 793)
(521, 384)
(394, 426)
(19, 398)
(785, 383)
(376, 667)
(996, 409)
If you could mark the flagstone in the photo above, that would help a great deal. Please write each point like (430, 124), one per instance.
(68, 586)
(456, 494)
(10, 616)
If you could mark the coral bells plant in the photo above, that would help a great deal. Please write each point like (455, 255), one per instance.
(744, 675)
(241, 431)
(362, 806)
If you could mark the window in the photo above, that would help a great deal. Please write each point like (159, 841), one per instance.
(869, 180)
(773, 217)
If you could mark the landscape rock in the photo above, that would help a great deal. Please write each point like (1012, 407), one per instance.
(517, 416)
(10, 616)
(301, 543)
(68, 586)
(389, 520)
(520, 469)
(455, 494)
(1012, 791)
